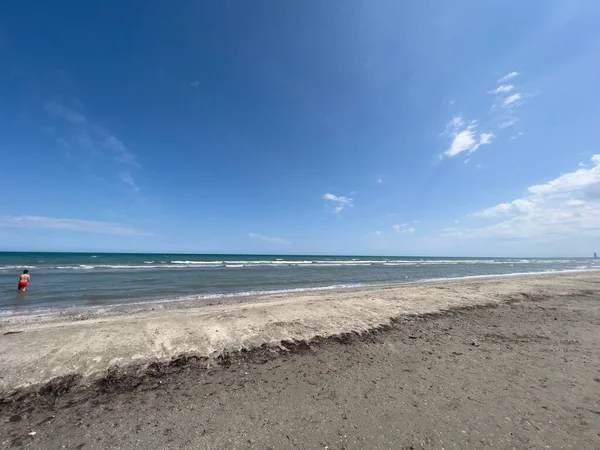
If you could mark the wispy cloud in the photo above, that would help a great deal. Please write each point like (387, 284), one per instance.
(195, 84)
(340, 202)
(404, 228)
(565, 207)
(379, 180)
(505, 105)
(507, 77)
(87, 226)
(273, 240)
(81, 133)
(128, 179)
(508, 122)
(454, 126)
(57, 109)
(516, 136)
(465, 137)
(511, 99)
(502, 89)
(120, 152)
(63, 143)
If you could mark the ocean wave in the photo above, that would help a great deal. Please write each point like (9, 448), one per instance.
(199, 262)
(304, 263)
(307, 289)
(500, 275)
(24, 266)
(264, 292)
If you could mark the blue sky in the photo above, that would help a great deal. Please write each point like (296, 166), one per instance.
(345, 127)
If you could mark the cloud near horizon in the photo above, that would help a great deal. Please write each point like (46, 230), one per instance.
(567, 206)
(87, 226)
(273, 240)
(404, 228)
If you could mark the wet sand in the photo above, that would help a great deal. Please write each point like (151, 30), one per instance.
(515, 363)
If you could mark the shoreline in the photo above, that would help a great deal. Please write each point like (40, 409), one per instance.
(520, 371)
(32, 354)
(80, 312)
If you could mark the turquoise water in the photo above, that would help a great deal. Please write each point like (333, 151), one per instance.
(85, 279)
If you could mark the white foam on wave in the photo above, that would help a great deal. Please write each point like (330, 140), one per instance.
(211, 296)
(502, 275)
(199, 262)
(321, 263)
(16, 267)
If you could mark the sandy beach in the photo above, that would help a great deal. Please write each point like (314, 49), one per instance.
(507, 362)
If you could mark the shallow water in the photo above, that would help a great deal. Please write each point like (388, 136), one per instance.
(83, 279)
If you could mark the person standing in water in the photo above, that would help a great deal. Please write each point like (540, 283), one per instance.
(23, 281)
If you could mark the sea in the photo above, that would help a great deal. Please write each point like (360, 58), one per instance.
(64, 280)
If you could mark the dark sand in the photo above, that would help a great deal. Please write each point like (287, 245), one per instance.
(523, 375)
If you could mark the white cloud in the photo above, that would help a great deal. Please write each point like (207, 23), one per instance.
(504, 107)
(378, 233)
(515, 136)
(503, 88)
(339, 202)
(88, 226)
(507, 77)
(404, 228)
(453, 127)
(515, 207)
(468, 137)
(262, 237)
(194, 84)
(465, 140)
(509, 122)
(511, 99)
(579, 181)
(485, 138)
(379, 180)
(565, 207)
